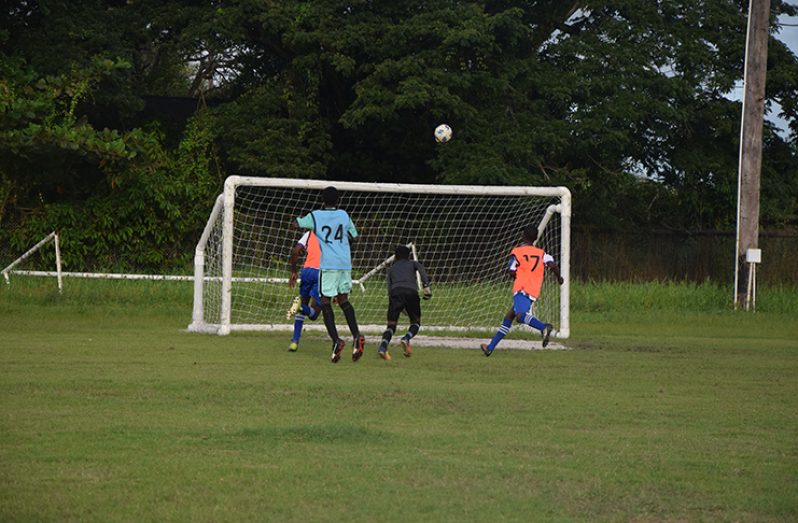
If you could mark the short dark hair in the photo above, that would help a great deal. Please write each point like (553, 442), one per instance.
(530, 233)
(330, 195)
(402, 253)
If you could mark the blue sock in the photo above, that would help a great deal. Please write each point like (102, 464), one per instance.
(299, 319)
(500, 334)
(531, 321)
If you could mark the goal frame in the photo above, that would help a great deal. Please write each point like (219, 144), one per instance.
(224, 205)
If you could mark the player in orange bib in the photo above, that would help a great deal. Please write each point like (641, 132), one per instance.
(302, 307)
(527, 264)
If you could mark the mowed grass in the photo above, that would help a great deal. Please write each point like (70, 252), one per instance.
(110, 411)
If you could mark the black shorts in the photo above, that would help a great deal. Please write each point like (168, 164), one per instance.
(404, 300)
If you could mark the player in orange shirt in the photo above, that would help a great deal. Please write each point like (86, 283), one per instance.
(308, 244)
(527, 264)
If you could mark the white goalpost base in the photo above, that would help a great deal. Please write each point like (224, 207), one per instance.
(462, 234)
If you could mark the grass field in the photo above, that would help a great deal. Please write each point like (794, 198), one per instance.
(667, 407)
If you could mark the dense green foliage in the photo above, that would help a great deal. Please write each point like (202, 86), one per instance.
(623, 101)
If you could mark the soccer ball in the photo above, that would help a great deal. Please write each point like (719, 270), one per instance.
(443, 133)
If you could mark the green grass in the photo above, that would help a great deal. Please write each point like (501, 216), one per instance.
(661, 410)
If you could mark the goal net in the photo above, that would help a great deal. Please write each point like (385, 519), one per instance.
(462, 234)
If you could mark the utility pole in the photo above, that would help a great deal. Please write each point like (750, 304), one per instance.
(750, 163)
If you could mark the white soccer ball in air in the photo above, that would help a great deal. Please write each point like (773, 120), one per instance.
(443, 133)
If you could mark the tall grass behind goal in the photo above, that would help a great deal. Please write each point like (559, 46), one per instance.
(462, 234)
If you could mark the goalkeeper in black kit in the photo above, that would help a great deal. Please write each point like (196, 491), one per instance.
(403, 296)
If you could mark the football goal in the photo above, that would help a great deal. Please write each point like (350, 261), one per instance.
(462, 234)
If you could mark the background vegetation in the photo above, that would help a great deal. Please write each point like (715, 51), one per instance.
(119, 120)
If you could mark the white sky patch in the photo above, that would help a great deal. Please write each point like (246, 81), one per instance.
(789, 32)
(789, 35)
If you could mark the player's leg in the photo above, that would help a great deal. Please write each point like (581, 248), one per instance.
(344, 287)
(529, 319)
(315, 307)
(349, 312)
(358, 341)
(395, 306)
(299, 322)
(301, 310)
(413, 309)
(308, 279)
(309, 288)
(295, 307)
(390, 329)
(504, 328)
(328, 284)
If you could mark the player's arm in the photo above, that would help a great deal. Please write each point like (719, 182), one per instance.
(299, 249)
(424, 279)
(553, 267)
(352, 232)
(512, 266)
(304, 222)
(296, 252)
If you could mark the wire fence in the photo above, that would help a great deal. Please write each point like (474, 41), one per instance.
(695, 256)
(597, 255)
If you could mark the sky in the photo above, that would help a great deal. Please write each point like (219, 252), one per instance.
(788, 35)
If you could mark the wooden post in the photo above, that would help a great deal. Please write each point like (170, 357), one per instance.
(750, 165)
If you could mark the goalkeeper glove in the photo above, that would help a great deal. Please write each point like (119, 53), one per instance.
(427, 293)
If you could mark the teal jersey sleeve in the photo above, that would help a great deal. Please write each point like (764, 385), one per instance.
(352, 230)
(306, 222)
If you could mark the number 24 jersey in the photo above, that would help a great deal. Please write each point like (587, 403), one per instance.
(333, 228)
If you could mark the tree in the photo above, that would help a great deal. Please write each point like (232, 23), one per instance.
(593, 95)
(624, 101)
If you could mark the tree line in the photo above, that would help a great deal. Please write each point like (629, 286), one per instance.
(625, 102)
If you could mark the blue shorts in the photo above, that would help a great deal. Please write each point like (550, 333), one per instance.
(309, 284)
(522, 303)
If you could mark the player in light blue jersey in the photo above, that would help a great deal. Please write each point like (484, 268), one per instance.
(334, 229)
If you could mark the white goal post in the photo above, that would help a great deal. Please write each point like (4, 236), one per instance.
(463, 234)
(59, 274)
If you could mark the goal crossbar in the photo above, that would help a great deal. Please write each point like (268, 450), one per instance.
(412, 188)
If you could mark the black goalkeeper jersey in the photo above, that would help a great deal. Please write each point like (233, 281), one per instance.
(402, 275)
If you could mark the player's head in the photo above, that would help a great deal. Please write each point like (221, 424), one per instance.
(402, 253)
(330, 196)
(530, 233)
